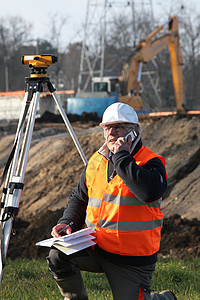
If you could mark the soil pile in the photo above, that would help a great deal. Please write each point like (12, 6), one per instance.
(54, 168)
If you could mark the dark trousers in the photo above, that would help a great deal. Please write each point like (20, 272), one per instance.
(126, 282)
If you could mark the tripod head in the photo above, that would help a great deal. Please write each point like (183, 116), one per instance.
(39, 63)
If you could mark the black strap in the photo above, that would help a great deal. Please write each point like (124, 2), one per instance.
(9, 211)
(14, 186)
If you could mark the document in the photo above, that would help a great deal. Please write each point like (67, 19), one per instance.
(71, 243)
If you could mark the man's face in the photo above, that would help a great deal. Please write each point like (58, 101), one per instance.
(113, 132)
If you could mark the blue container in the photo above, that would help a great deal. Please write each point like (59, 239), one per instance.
(78, 105)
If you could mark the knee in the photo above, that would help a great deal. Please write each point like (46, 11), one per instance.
(59, 267)
(54, 258)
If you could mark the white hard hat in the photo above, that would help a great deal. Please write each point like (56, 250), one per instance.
(119, 113)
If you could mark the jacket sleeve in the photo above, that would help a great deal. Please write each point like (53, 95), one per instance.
(148, 182)
(75, 210)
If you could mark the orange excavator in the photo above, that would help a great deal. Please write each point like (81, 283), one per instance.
(145, 51)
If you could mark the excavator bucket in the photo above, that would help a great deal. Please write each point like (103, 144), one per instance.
(133, 101)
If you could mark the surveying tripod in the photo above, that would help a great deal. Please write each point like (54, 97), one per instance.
(15, 167)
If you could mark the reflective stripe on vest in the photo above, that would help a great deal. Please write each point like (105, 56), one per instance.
(129, 226)
(128, 201)
(123, 201)
(124, 224)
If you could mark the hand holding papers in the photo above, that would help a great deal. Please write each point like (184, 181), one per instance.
(71, 243)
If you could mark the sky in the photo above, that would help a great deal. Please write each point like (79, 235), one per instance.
(40, 13)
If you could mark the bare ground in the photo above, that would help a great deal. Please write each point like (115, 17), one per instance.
(54, 168)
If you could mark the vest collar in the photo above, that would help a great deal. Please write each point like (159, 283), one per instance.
(104, 151)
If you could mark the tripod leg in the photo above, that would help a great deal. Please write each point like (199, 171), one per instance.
(18, 136)
(20, 122)
(28, 136)
(69, 127)
(14, 191)
(15, 179)
(8, 176)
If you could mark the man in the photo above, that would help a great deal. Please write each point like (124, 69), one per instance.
(118, 196)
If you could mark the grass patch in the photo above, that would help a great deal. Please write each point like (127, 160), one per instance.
(30, 279)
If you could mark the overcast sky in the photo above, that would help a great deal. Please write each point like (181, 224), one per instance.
(38, 13)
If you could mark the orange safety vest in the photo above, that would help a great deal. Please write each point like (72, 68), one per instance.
(123, 224)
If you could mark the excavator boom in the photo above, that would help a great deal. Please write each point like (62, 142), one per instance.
(149, 48)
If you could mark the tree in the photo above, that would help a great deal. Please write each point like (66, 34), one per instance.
(189, 33)
(72, 64)
(14, 31)
(191, 51)
(123, 37)
(54, 35)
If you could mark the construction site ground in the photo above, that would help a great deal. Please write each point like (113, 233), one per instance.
(54, 168)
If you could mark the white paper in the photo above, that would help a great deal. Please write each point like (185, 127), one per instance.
(71, 243)
(45, 243)
(79, 240)
(77, 234)
(74, 248)
(49, 242)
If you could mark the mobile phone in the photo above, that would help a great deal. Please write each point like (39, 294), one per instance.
(133, 135)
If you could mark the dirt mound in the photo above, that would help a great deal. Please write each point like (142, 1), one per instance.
(177, 139)
(22, 244)
(84, 117)
(54, 168)
(180, 237)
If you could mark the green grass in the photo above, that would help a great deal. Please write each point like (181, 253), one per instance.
(30, 280)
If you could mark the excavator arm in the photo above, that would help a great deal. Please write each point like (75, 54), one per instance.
(149, 48)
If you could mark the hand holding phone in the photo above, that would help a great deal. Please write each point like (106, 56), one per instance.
(121, 145)
(133, 135)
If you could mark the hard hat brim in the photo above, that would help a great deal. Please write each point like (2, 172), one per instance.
(116, 122)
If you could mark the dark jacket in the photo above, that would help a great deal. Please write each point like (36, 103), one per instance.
(148, 183)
